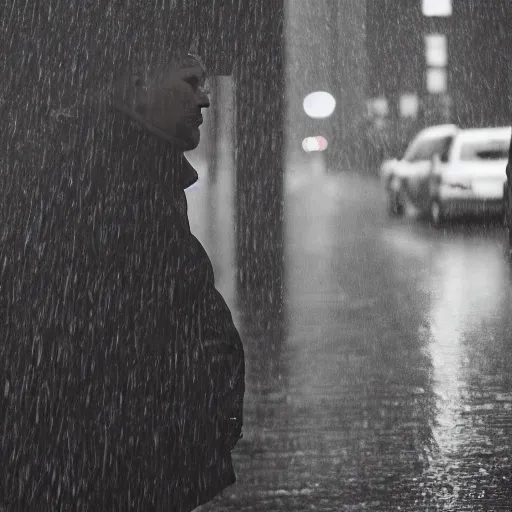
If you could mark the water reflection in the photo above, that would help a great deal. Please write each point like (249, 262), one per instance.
(469, 292)
(361, 401)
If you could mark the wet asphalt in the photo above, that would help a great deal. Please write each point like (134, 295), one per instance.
(388, 383)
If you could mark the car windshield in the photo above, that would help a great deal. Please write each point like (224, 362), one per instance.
(485, 150)
(424, 148)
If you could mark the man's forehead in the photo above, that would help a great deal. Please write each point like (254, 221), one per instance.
(189, 66)
(178, 71)
(175, 67)
(190, 60)
(191, 72)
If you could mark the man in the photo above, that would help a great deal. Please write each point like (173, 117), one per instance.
(122, 372)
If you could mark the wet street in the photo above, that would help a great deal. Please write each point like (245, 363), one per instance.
(387, 384)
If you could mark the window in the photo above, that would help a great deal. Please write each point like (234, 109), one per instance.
(445, 153)
(436, 80)
(409, 105)
(436, 7)
(425, 149)
(485, 150)
(436, 50)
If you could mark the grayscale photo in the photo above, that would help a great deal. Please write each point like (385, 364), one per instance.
(256, 256)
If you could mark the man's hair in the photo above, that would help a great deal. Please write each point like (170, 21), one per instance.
(75, 48)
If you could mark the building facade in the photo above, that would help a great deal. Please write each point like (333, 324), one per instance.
(435, 62)
(325, 51)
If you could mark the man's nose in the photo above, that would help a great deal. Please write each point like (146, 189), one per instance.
(203, 99)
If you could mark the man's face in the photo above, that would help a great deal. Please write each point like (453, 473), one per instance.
(174, 104)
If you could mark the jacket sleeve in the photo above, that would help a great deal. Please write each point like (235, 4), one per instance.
(222, 361)
(225, 360)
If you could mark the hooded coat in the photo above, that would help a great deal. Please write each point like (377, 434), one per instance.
(121, 367)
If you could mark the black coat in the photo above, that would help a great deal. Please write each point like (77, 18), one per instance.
(121, 365)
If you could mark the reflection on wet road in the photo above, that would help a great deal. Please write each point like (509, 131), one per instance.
(388, 385)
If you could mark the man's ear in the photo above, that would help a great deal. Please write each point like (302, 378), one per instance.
(131, 93)
(140, 94)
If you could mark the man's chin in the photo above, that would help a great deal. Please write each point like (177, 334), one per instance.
(188, 142)
(190, 146)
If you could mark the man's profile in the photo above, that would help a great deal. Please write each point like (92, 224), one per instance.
(122, 371)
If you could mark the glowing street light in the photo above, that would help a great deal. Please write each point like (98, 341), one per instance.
(312, 144)
(319, 104)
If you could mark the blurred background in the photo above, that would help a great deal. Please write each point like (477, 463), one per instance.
(393, 67)
(342, 135)
(378, 339)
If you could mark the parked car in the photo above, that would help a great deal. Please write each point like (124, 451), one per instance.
(400, 175)
(447, 171)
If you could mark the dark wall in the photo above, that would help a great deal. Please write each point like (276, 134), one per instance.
(480, 61)
(394, 47)
(479, 46)
(259, 157)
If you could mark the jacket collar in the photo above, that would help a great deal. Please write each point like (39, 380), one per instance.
(186, 174)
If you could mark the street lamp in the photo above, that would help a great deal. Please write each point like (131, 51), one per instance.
(319, 104)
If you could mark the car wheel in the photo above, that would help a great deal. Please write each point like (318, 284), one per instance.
(395, 204)
(436, 213)
(395, 198)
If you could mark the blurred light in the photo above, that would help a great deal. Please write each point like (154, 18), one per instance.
(319, 105)
(436, 52)
(322, 143)
(436, 80)
(437, 7)
(311, 144)
(409, 105)
(378, 107)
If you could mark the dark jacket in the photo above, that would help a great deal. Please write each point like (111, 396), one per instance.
(120, 363)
